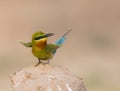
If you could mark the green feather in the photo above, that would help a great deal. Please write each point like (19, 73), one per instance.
(29, 44)
(51, 47)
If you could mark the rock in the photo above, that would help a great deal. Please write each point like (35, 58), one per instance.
(46, 78)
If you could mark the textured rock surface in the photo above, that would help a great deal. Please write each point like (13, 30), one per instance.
(46, 78)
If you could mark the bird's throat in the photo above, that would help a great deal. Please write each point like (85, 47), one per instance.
(41, 44)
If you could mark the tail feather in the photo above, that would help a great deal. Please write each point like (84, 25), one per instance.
(61, 40)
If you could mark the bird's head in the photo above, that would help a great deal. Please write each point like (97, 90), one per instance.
(41, 37)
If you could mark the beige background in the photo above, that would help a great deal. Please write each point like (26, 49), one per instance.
(91, 50)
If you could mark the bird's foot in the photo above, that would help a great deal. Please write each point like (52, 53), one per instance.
(42, 62)
(38, 63)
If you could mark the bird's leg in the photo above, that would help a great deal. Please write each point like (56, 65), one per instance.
(38, 62)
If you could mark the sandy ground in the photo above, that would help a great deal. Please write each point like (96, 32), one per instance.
(91, 50)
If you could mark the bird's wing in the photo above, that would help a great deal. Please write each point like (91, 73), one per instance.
(29, 44)
(51, 47)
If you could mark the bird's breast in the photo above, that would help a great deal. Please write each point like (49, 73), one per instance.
(40, 44)
(41, 53)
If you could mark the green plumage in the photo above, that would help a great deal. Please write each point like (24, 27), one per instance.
(41, 49)
(45, 53)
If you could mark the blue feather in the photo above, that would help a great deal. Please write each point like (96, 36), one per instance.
(61, 40)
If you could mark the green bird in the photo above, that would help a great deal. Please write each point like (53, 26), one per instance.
(43, 50)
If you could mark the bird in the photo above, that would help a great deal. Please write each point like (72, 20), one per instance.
(41, 49)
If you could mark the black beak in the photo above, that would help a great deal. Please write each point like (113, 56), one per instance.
(46, 35)
(49, 34)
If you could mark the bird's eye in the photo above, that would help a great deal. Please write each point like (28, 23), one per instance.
(46, 35)
(39, 37)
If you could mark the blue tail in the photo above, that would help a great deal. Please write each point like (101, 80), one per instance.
(61, 40)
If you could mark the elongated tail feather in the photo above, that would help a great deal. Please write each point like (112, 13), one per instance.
(61, 40)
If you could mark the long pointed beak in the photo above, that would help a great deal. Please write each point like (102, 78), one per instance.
(49, 34)
(46, 35)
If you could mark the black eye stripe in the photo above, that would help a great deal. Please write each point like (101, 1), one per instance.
(46, 35)
(40, 37)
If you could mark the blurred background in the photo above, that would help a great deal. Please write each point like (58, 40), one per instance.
(92, 49)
